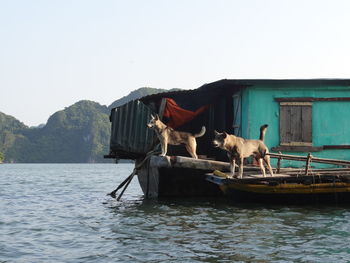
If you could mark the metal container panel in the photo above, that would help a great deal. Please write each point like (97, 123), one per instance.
(130, 136)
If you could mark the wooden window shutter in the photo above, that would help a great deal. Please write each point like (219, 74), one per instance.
(296, 123)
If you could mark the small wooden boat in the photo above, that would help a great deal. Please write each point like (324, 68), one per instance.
(289, 185)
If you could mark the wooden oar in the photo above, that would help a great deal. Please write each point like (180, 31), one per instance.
(129, 178)
(113, 193)
(127, 184)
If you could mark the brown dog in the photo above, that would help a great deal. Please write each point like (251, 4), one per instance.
(239, 148)
(168, 135)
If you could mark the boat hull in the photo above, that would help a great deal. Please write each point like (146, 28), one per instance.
(178, 176)
(284, 190)
(275, 194)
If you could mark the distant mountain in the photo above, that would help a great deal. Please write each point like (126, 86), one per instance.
(10, 132)
(136, 94)
(9, 123)
(78, 134)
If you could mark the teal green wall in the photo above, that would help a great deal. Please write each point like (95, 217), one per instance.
(330, 120)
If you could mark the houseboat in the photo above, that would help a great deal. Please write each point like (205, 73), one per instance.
(306, 117)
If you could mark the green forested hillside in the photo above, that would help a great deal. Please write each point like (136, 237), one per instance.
(10, 132)
(79, 133)
(136, 94)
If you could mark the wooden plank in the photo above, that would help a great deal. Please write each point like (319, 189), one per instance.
(335, 171)
(287, 178)
(296, 148)
(285, 124)
(330, 161)
(311, 99)
(314, 159)
(295, 123)
(336, 146)
(296, 144)
(187, 162)
(295, 103)
(268, 177)
(306, 124)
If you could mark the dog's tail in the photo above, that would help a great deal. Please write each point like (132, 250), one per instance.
(201, 133)
(263, 131)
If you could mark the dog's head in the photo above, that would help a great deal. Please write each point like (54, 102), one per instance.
(219, 139)
(154, 122)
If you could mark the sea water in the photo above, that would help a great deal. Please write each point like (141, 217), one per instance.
(60, 213)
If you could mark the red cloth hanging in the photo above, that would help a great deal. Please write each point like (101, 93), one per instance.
(178, 116)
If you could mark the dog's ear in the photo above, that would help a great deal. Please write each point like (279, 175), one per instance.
(152, 117)
(216, 133)
(225, 134)
(157, 117)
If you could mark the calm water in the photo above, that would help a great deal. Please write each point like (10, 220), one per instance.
(60, 213)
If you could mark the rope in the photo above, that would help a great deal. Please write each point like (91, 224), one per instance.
(127, 181)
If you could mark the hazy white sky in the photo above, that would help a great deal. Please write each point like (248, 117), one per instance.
(54, 53)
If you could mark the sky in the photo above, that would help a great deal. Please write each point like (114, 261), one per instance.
(55, 53)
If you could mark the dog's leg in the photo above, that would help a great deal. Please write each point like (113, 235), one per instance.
(241, 161)
(164, 144)
(267, 161)
(262, 167)
(232, 166)
(165, 149)
(191, 148)
(191, 151)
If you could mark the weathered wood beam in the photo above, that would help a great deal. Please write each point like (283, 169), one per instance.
(314, 159)
(310, 99)
(186, 162)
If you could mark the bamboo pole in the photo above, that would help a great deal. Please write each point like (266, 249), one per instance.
(314, 159)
